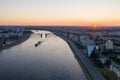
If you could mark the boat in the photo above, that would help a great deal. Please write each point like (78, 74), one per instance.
(37, 43)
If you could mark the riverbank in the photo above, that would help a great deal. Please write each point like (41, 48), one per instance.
(24, 38)
(90, 71)
(86, 72)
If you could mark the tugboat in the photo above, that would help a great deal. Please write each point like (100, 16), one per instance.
(37, 44)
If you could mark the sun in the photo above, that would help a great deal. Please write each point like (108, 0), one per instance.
(95, 25)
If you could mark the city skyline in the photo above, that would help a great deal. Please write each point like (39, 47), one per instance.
(60, 12)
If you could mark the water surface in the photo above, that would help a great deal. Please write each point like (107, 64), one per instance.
(51, 60)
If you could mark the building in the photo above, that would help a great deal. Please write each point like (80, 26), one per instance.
(109, 45)
(116, 69)
(85, 41)
(90, 50)
(71, 36)
(103, 59)
(114, 33)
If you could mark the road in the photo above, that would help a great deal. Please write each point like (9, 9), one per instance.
(92, 70)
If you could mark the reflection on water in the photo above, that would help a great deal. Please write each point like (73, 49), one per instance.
(51, 60)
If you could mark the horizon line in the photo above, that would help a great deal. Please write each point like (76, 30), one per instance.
(68, 25)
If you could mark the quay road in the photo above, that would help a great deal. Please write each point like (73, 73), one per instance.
(87, 63)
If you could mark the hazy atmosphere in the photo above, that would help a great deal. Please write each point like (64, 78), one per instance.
(59, 12)
(59, 39)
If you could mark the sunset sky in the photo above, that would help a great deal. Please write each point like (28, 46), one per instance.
(60, 12)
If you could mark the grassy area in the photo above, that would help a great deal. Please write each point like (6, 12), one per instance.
(105, 73)
(100, 67)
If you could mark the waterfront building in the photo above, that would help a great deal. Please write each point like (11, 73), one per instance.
(85, 40)
(109, 45)
(90, 50)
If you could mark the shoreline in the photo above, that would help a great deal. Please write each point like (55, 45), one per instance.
(88, 68)
(85, 70)
(25, 37)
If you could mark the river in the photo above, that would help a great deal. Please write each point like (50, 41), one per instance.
(51, 60)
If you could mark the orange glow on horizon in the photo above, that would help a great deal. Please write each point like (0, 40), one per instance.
(58, 22)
